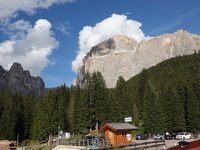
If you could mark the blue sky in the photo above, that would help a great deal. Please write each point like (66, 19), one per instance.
(63, 20)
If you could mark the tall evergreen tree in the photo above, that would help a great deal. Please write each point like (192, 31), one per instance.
(123, 98)
(149, 111)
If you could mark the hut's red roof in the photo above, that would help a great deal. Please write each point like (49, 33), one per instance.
(195, 145)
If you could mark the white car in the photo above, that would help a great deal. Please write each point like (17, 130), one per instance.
(198, 136)
(183, 136)
(159, 136)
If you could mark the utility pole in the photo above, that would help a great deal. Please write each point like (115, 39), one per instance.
(17, 139)
(58, 133)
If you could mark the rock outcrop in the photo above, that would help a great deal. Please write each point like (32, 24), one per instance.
(19, 80)
(123, 56)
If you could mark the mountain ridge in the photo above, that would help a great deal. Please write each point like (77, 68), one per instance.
(123, 56)
(19, 80)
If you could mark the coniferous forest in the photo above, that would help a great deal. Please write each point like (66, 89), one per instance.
(163, 98)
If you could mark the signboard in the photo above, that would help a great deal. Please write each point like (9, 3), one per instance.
(128, 136)
(128, 119)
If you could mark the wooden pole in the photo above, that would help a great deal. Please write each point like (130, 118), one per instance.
(17, 139)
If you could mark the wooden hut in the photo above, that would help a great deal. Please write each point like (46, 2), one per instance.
(118, 133)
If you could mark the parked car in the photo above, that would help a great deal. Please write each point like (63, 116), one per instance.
(141, 137)
(173, 136)
(159, 136)
(170, 136)
(198, 135)
(183, 135)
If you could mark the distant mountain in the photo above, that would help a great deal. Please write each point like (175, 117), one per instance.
(19, 80)
(124, 56)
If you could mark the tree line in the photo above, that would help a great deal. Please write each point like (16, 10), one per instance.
(163, 98)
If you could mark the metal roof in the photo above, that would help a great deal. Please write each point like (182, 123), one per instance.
(122, 126)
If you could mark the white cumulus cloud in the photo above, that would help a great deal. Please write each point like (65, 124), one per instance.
(10, 8)
(115, 25)
(15, 30)
(31, 48)
(64, 28)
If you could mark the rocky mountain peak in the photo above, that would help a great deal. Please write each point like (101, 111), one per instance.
(124, 42)
(115, 44)
(126, 57)
(123, 38)
(19, 80)
(2, 71)
(16, 68)
(181, 31)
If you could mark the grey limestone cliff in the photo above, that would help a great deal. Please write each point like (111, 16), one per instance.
(123, 56)
(19, 80)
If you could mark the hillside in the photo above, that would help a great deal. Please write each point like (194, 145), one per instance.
(162, 98)
(167, 96)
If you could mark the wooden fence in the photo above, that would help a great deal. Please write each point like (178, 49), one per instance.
(104, 144)
(89, 143)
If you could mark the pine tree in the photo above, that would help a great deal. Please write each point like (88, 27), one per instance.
(63, 100)
(9, 117)
(122, 96)
(149, 111)
(81, 111)
(29, 106)
(102, 105)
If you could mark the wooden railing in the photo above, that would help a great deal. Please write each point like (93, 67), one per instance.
(146, 144)
(104, 144)
(90, 144)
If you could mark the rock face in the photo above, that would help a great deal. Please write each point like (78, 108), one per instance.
(123, 56)
(19, 80)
